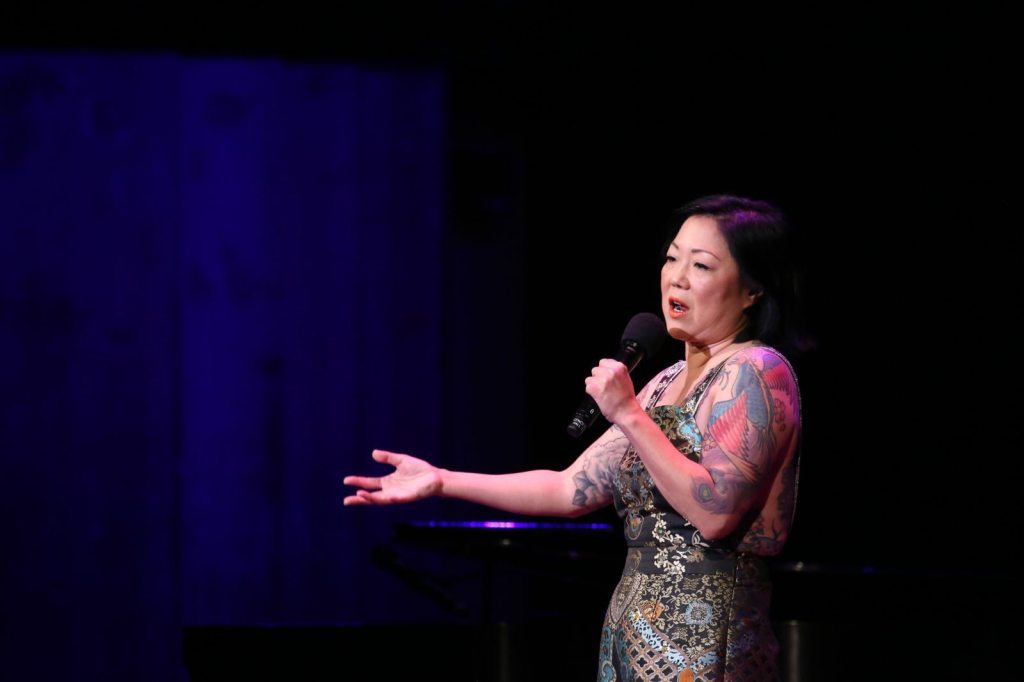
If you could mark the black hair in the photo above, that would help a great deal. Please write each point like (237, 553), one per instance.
(762, 241)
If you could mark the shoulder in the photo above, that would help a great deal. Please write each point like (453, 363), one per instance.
(763, 380)
(753, 407)
(766, 364)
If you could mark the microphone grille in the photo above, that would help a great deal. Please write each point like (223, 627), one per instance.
(647, 330)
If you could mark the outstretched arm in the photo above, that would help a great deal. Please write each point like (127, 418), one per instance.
(581, 488)
(528, 492)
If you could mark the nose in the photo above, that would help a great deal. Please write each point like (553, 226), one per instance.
(677, 276)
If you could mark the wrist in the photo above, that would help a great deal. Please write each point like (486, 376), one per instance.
(633, 422)
(444, 477)
(629, 415)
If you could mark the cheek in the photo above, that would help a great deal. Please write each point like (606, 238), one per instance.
(703, 292)
(715, 300)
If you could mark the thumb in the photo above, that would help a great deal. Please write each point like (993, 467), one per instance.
(384, 457)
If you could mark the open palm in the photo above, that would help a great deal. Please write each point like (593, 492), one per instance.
(413, 479)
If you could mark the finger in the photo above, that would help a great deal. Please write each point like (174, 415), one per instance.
(366, 497)
(370, 482)
(609, 364)
(377, 497)
(385, 457)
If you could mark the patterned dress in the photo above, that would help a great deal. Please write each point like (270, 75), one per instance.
(685, 608)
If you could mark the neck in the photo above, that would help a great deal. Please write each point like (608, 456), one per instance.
(697, 357)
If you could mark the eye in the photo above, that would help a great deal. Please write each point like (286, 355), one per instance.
(670, 259)
(701, 266)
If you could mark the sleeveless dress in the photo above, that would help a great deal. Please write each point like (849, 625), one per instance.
(685, 608)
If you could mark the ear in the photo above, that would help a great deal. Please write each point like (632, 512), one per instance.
(751, 296)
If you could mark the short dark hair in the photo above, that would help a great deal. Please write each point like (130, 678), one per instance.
(762, 241)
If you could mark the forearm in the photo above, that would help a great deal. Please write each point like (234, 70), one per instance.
(687, 485)
(535, 493)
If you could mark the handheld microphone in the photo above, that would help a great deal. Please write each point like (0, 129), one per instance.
(642, 338)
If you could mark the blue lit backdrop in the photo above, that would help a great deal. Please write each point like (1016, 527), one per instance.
(222, 285)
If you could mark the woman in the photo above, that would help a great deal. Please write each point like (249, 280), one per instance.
(693, 600)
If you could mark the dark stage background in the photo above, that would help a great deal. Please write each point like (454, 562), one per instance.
(239, 252)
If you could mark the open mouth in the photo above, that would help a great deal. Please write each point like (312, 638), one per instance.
(676, 307)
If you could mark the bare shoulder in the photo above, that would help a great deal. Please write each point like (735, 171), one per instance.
(768, 364)
(754, 403)
(761, 365)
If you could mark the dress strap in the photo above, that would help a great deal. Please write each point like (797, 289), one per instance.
(666, 379)
(697, 393)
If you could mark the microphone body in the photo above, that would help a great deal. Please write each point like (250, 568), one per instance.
(586, 414)
(643, 336)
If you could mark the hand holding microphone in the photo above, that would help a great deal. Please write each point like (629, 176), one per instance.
(642, 338)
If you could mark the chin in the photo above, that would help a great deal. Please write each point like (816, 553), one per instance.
(678, 334)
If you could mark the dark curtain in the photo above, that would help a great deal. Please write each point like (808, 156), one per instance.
(221, 286)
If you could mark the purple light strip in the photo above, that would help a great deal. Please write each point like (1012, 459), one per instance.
(512, 525)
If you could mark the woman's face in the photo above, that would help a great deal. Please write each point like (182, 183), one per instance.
(702, 297)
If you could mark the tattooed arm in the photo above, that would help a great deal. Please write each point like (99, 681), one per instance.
(583, 487)
(750, 422)
(592, 474)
